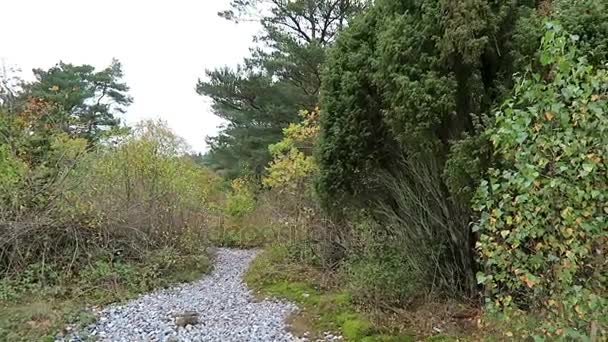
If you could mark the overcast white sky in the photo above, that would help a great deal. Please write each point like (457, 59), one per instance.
(164, 46)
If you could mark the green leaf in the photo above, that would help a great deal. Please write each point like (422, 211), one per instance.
(588, 167)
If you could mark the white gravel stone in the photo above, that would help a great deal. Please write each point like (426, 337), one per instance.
(227, 310)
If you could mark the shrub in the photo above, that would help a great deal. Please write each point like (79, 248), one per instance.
(145, 193)
(430, 227)
(286, 211)
(241, 200)
(405, 78)
(383, 277)
(589, 20)
(117, 201)
(293, 165)
(544, 208)
(30, 225)
(11, 170)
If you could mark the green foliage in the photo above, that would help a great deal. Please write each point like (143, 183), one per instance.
(410, 77)
(354, 328)
(263, 96)
(543, 210)
(87, 220)
(405, 78)
(285, 210)
(145, 191)
(245, 216)
(38, 320)
(588, 19)
(325, 305)
(240, 201)
(405, 98)
(136, 196)
(384, 279)
(256, 108)
(29, 203)
(293, 163)
(87, 101)
(275, 273)
(35, 311)
(468, 162)
(379, 273)
(11, 170)
(241, 233)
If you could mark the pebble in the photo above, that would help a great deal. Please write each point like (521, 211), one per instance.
(227, 310)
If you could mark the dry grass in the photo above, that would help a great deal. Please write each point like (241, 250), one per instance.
(455, 319)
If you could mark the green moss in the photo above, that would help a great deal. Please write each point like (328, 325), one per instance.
(355, 329)
(387, 338)
(273, 274)
(295, 291)
(345, 316)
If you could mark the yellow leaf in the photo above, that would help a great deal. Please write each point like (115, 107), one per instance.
(529, 282)
(549, 116)
(567, 232)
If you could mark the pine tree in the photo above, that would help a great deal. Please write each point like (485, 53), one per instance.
(280, 78)
(89, 102)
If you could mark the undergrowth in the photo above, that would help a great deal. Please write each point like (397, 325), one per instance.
(84, 225)
(326, 305)
(39, 303)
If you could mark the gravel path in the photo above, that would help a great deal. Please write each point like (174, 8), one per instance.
(223, 306)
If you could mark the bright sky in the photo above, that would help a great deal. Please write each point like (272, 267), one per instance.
(164, 46)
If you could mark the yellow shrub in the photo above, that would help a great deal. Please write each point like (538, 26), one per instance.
(293, 162)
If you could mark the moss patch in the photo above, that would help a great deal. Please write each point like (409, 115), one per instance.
(322, 309)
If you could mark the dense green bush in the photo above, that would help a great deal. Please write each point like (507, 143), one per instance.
(588, 19)
(403, 85)
(429, 228)
(11, 170)
(416, 81)
(406, 78)
(544, 208)
(241, 198)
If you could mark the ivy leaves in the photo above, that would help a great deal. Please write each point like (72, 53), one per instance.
(543, 211)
